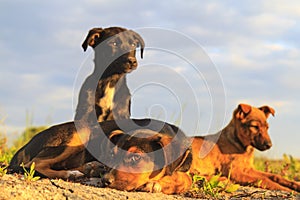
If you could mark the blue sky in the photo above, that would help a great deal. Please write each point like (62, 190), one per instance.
(252, 48)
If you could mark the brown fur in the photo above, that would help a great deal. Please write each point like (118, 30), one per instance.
(140, 162)
(234, 150)
(63, 151)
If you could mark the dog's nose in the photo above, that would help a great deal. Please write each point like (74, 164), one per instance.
(268, 144)
(108, 179)
(132, 61)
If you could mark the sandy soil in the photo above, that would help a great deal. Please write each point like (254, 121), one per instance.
(15, 187)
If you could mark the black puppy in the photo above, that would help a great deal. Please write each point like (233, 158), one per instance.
(63, 151)
(104, 95)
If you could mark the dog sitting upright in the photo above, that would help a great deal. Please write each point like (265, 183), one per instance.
(104, 95)
(233, 151)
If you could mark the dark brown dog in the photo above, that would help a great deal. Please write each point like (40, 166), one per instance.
(64, 152)
(104, 95)
(149, 161)
(234, 150)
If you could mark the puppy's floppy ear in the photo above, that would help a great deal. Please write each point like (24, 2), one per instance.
(178, 156)
(115, 135)
(267, 110)
(182, 164)
(91, 38)
(242, 111)
(140, 40)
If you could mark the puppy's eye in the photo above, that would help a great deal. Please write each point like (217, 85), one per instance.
(114, 44)
(133, 159)
(133, 44)
(256, 127)
(112, 154)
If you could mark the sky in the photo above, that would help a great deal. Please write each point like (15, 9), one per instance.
(202, 59)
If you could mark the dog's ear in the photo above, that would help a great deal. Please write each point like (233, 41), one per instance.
(115, 135)
(242, 111)
(182, 164)
(141, 43)
(178, 156)
(91, 38)
(267, 110)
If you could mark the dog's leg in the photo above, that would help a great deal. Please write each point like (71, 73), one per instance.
(178, 182)
(45, 165)
(256, 178)
(281, 181)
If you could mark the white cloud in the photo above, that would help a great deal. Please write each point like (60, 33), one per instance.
(267, 24)
(255, 45)
(289, 9)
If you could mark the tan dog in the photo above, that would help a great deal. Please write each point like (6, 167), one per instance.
(234, 150)
(146, 160)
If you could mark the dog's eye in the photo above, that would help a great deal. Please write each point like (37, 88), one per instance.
(133, 159)
(256, 127)
(133, 44)
(114, 43)
(112, 154)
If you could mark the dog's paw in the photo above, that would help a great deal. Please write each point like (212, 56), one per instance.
(74, 174)
(94, 169)
(153, 187)
(96, 182)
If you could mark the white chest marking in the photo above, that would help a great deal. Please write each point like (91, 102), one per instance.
(106, 102)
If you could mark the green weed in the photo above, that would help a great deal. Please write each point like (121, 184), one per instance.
(29, 175)
(213, 187)
(288, 167)
(3, 171)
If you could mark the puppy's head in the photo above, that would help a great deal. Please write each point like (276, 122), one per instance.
(116, 47)
(145, 155)
(252, 127)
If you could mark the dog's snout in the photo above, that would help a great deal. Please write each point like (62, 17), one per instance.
(268, 144)
(108, 179)
(132, 61)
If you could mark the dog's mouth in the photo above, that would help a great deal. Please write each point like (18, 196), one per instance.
(262, 145)
(130, 68)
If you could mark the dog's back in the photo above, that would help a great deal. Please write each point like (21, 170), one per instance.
(54, 136)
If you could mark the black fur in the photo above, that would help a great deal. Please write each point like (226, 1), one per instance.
(53, 141)
(115, 50)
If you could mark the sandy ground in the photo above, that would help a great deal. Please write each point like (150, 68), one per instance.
(15, 187)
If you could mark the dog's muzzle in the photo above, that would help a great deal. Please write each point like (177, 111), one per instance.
(131, 63)
(108, 179)
(263, 146)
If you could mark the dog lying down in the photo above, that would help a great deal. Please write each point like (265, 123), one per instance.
(63, 152)
(150, 155)
(234, 150)
(145, 160)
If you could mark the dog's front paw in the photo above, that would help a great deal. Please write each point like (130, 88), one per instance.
(74, 174)
(153, 187)
(96, 182)
(94, 169)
